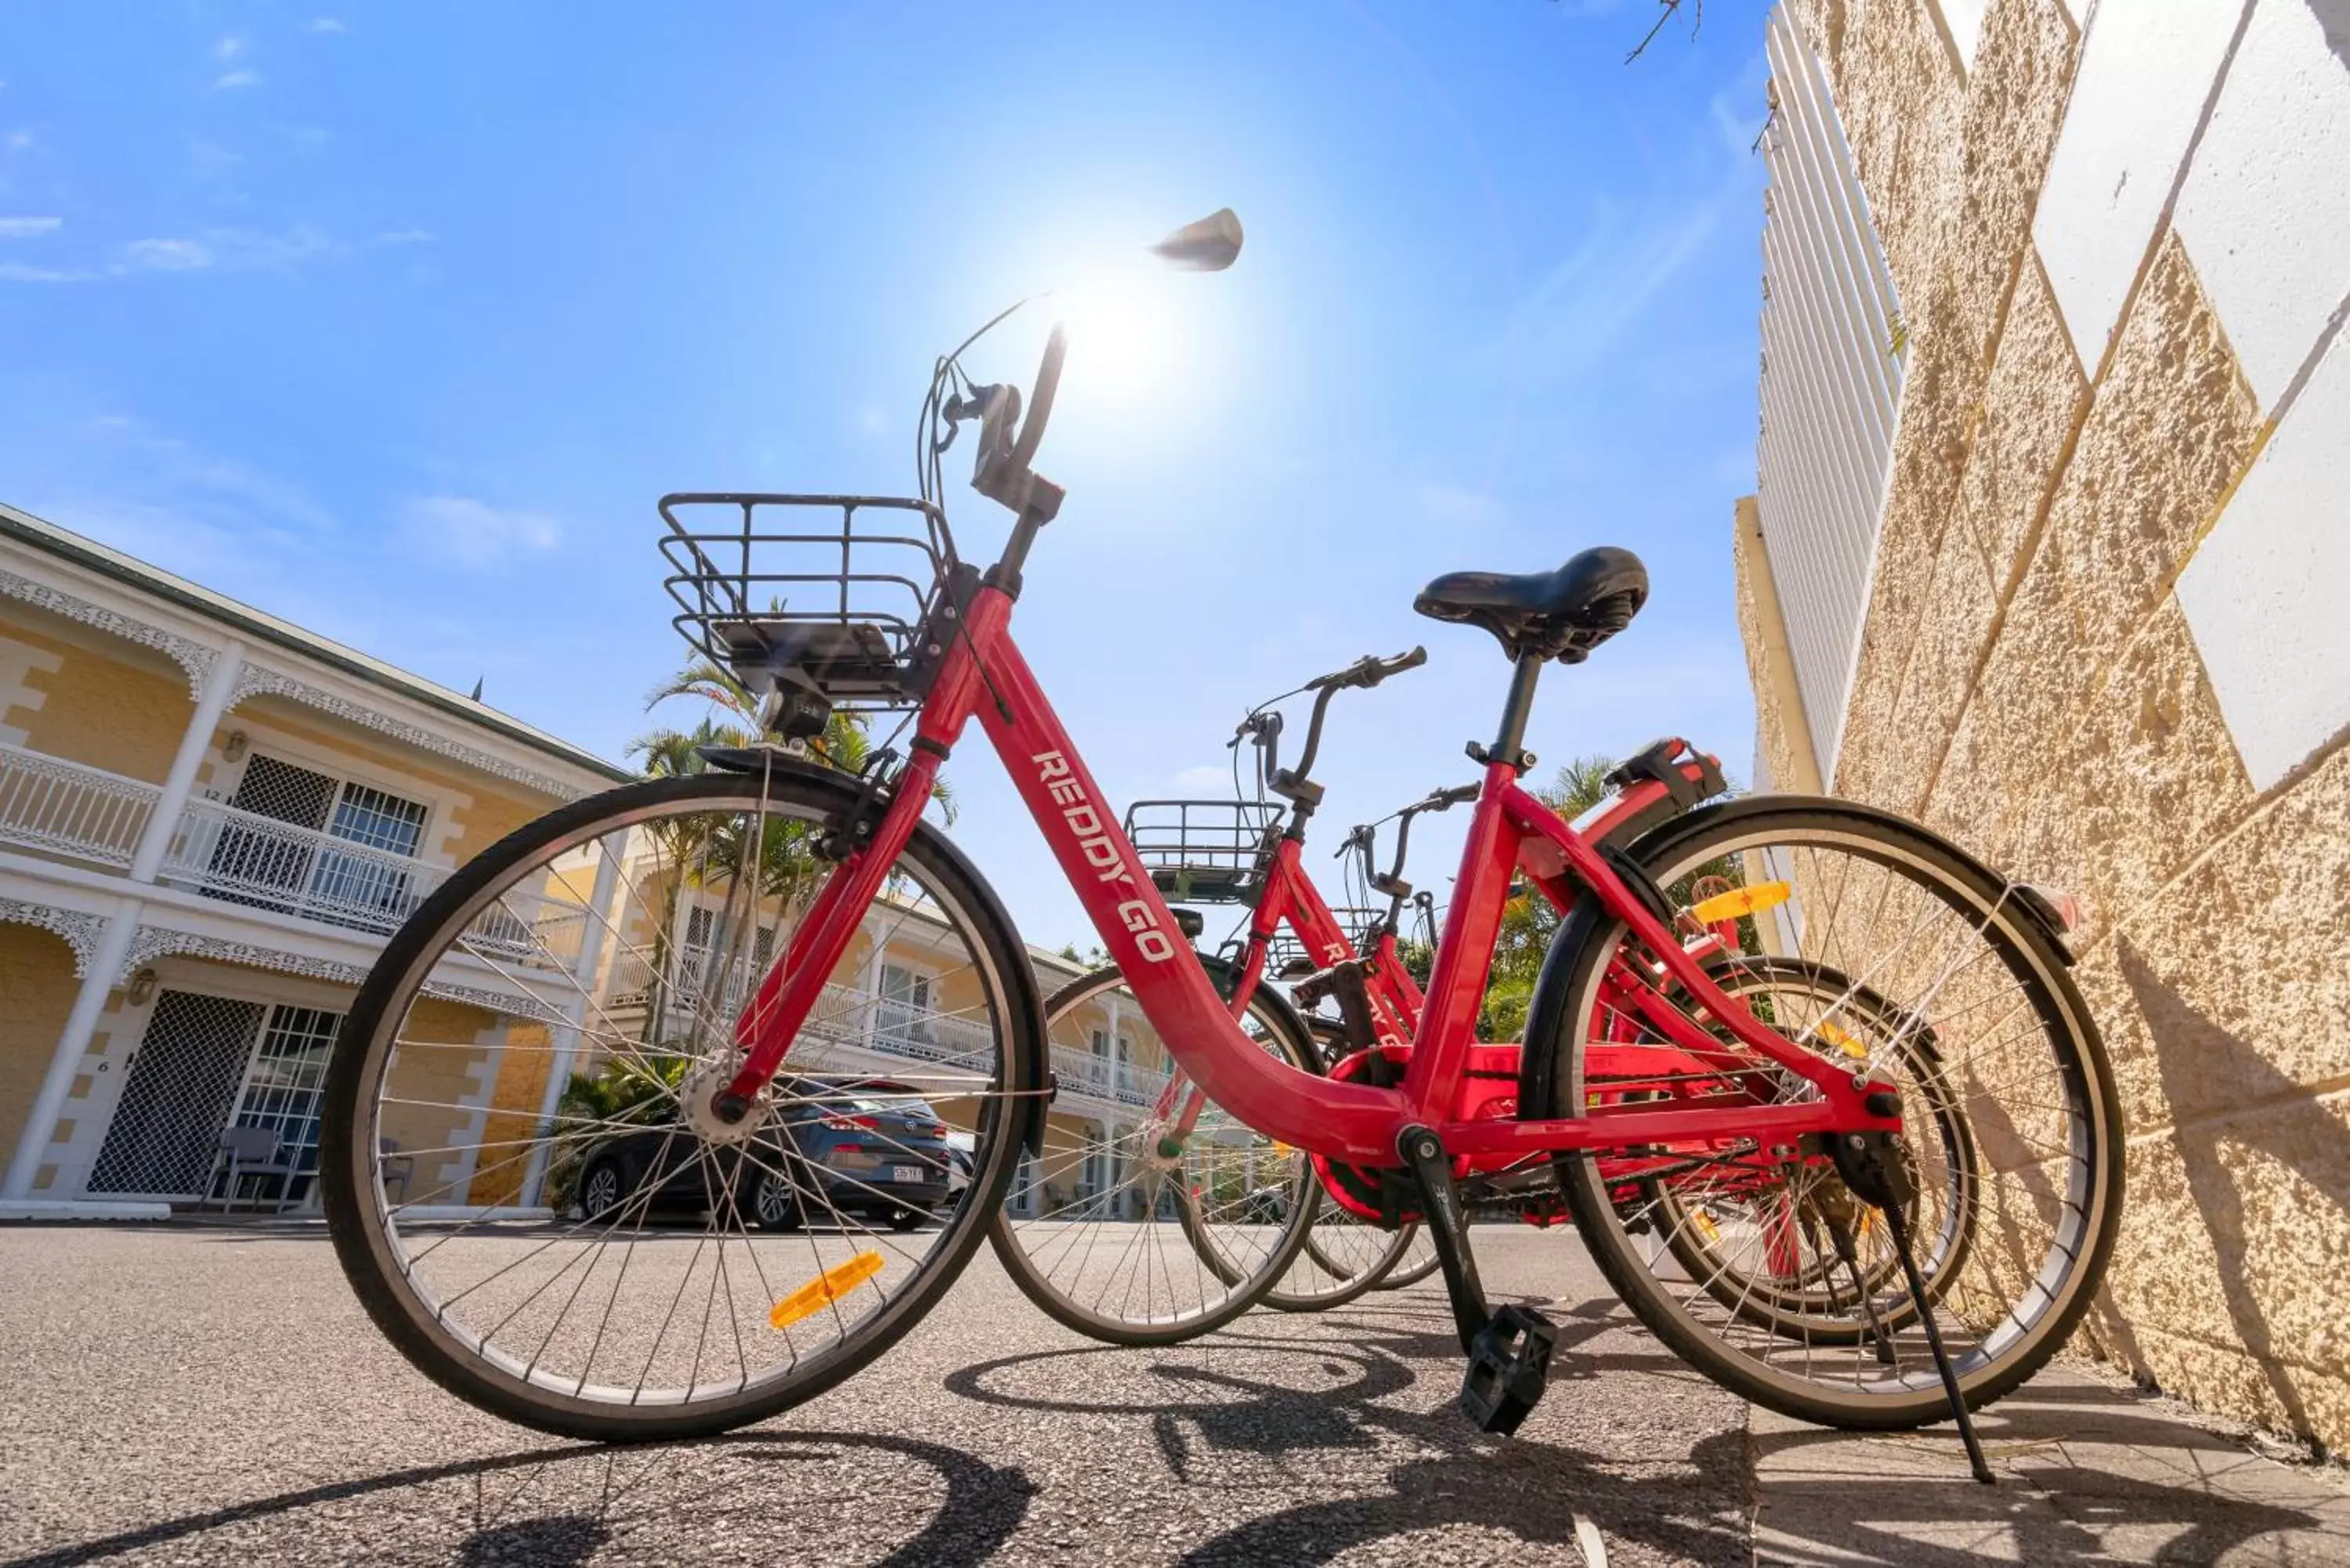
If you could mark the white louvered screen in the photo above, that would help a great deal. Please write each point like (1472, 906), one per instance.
(1832, 364)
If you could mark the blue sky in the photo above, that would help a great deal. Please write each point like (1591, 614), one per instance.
(397, 319)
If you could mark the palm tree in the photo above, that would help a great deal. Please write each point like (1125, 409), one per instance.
(708, 852)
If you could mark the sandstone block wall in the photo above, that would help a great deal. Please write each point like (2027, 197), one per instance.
(2029, 683)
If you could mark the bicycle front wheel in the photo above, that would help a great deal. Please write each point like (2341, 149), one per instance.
(1125, 1229)
(1873, 942)
(524, 1181)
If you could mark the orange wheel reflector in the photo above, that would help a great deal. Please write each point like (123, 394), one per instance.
(825, 1289)
(1840, 1038)
(1740, 901)
(1704, 1222)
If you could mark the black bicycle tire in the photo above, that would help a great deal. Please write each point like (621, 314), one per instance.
(1013, 1256)
(345, 1178)
(1584, 943)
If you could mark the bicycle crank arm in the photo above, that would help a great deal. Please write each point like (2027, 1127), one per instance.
(1509, 1351)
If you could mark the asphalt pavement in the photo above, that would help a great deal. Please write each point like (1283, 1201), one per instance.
(197, 1393)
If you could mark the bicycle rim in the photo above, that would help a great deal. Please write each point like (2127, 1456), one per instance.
(562, 1006)
(1117, 1236)
(2012, 1050)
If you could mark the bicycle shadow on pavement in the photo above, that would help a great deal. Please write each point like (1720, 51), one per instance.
(1532, 1491)
(2071, 1488)
(2082, 1478)
(557, 1507)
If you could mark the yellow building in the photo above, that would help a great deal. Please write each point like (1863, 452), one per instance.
(211, 821)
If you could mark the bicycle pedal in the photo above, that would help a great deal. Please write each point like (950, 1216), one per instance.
(1509, 1367)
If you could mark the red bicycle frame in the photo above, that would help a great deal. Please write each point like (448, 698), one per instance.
(982, 672)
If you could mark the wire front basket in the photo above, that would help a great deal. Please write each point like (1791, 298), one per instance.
(829, 594)
(1205, 851)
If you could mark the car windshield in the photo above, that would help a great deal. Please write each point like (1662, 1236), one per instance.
(893, 1104)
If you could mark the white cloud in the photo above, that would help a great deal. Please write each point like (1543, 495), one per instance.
(472, 534)
(234, 79)
(168, 255)
(234, 250)
(211, 250)
(25, 228)
(228, 48)
(17, 272)
(325, 25)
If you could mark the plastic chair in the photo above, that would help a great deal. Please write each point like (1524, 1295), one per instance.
(251, 1152)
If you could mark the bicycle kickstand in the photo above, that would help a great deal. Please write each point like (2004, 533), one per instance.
(1509, 1350)
(1871, 1167)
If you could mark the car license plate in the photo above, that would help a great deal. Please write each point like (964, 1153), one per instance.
(906, 1173)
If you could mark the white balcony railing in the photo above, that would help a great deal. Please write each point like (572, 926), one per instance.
(247, 858)
(243, 857)
(68, 808)
(891, 1027)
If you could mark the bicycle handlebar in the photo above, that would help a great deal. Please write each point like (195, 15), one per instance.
(1364, 839)
(1041, 393)
(1368, 671)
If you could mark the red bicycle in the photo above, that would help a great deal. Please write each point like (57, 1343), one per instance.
(747, 981)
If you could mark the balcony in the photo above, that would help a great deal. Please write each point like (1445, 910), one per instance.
(890, 1027)
(80, 813)
(64, 809)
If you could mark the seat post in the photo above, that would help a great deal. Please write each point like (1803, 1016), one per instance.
(1508, 745)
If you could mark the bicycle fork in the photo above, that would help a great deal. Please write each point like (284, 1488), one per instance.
(1509, 1350)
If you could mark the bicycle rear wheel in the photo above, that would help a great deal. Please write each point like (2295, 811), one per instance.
(1109, 1231)
(536, 1049)
(1344, 1255)
(1988, 1035)
(1415, 1263)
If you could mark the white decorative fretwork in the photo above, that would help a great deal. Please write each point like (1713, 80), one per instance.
(191, 656)
(259, 681)
(154, 942)
(81, 932)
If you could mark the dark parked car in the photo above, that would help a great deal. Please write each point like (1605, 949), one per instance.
(864, 1147)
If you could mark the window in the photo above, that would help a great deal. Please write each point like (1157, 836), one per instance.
(293, 868)
(282, 1093)
(905, 1007)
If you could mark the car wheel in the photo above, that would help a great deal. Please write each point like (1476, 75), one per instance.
(905, 1218)
(603, 1189)
(774, 1203)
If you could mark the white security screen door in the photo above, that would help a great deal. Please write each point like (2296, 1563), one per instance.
(182, 1084)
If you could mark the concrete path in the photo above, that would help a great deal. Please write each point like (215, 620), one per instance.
(193, 1395)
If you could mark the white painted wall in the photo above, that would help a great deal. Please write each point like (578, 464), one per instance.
(2230, 120)
(2145, 77)
(2268, 596)
(2265, 210)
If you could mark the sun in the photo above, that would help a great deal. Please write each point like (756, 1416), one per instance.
(1122, 337)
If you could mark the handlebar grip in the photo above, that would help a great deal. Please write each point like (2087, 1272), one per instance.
(1459, 794)
(1369, 670)
(1378, 669)
(1040, 396)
